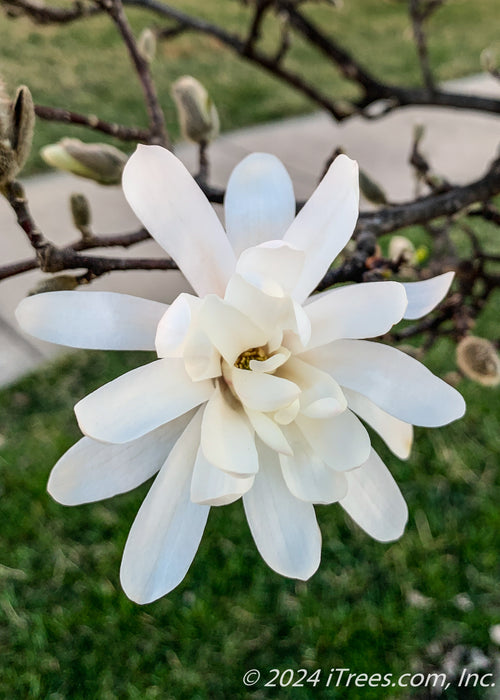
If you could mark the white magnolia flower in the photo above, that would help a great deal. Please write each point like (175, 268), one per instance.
(258, 389)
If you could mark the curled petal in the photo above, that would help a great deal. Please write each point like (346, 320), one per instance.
(325, 224)
(342, 441)
(284, 528)
(228, 329)
(321, 396)
(263, 392)
(92, 320)
(174, 325)
(90, 470)
(397, 434)
(227, 439)
(214, 487)
(269, 431)
(259, 202)
(425, 295)
(374, 500)
(272, 267)
(307, 476)
(396, 382)
(168, 528)
(167, 200)
(140, 401)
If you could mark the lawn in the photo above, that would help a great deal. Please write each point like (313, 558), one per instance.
(67, 631)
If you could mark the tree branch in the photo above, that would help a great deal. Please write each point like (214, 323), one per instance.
(119, 131)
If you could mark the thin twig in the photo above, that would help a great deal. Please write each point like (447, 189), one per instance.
(158, 130)
(119, 131)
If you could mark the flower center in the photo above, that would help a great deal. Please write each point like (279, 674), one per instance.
(243, 361)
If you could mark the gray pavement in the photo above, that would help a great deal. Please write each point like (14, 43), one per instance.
(460, 144)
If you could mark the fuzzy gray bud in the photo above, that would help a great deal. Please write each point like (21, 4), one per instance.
(197, 113)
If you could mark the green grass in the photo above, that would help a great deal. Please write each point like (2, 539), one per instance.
(67, 631)
(84, 67)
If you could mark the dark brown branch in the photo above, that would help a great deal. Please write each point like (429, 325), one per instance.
(43, 14)
(432, 206)
(261, 7)
(158, 130)
(419, 12)
(125, 133)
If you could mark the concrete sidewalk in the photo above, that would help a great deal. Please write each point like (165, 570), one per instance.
(460, 143)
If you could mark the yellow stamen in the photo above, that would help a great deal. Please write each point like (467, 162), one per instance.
(243, 361)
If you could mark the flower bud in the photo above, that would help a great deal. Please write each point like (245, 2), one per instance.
(490, 59)
(371, 190)
(147, 44)
(197, 113)
(478, 360)
(80, 211)
(17, 122)
(96, 161)
(401, 248)
(57, 283)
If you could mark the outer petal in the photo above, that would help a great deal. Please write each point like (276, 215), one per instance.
(227, 439)
(140, 401)
(325, 224)
(396, 382)
(168, 528)
(397, 434)
(164, 196)
(342, 442)
(307, 476)
(424, 296)
(363, 310)
(213, 487)
(93, 320)
(259, 203)
(374, 500)
(90, 470)
(284, 528)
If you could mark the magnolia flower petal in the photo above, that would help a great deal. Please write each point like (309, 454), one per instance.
(307, 476)
(263, 310)
(284, 528)
(228, 329)
(273, 267)
(201, 359)
(140, 401)
(92, 320)
(90, 470)
(168, 527)
(325, 224)
(374, 500)
(227, 439)
(164, 196)
(287, 414)
(259, 203)
(213, 487)
(363, 310)
(269, 431)
(342, 442)
(263, 392)
(175, 324)
(424, 296)
(394, 381)
(397, 434)
(321, 396)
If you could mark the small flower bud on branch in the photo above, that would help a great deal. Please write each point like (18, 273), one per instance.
(197, 113)
(95, 161)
